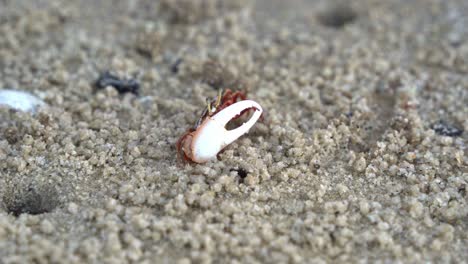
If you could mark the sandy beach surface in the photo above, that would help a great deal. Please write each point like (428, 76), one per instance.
(360, 156)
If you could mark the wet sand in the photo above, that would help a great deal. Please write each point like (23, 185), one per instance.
(361, 156)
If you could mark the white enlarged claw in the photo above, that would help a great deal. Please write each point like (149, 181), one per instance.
(211, 136)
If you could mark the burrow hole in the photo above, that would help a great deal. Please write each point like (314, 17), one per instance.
(32, 200)
(337, 16)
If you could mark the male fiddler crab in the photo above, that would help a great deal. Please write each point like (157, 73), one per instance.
(209, 136)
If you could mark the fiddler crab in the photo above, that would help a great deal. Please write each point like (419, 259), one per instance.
(209, 136)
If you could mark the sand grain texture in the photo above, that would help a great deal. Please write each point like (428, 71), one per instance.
(350, 164)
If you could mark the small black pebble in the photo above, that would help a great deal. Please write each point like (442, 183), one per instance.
(242, 173)
(175, 66)
(444, 129)
(317, 166)
(122, 86)
(462, 190)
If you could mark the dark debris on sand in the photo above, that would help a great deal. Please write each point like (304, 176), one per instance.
(443, 128)
(121, 85)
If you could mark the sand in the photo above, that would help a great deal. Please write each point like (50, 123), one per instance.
(361, 156)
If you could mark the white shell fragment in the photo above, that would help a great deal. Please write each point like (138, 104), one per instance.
(19, 100)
